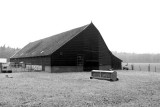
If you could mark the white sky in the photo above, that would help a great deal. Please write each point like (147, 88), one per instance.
(126, 25)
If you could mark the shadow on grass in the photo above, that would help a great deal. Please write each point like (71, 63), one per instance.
(105, 79)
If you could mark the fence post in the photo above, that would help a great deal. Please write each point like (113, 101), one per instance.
(132, 67)
(139, 68)
(149, 67)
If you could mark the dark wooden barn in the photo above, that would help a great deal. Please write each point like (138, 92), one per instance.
(80, 49)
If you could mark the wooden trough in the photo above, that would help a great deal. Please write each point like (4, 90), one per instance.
(104, 74)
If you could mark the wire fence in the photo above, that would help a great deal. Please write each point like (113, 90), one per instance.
(150, 67)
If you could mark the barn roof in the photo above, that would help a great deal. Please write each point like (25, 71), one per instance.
(48, 45)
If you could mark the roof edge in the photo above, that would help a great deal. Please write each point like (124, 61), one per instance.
(73, 37)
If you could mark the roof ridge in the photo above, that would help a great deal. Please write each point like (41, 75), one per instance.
(61, 33)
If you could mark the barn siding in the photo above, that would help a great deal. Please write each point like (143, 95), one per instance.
(91, 48)
(106, 59)
(67, 69)
(116, 63)
(104, 53)
(41, 60)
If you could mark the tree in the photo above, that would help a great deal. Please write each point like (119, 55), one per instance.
(7, 52)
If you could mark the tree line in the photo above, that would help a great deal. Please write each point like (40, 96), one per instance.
(138, 58)
(7, 52)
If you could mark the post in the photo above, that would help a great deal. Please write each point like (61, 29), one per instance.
(132, 67)
(149, 67)
(155, 68)
(139, 68)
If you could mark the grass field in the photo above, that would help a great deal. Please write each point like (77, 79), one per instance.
(38, 89)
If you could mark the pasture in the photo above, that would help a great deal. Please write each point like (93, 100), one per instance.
(153, 67)
(39, 89)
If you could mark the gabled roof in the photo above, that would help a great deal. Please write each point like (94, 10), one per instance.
(48, 45)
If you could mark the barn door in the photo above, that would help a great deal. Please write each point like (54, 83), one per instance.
(91, 65)
(80, 62)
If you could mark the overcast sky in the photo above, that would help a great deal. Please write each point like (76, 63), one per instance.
(126, 25)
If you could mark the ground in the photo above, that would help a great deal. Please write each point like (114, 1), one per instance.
(39, 89)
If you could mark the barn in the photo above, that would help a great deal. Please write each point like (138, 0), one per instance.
(79, 49)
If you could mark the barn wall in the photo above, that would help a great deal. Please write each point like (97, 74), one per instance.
(106, 59)
(67, 54)
(116, 63)
(84, 45)
(42, 60)
(90, 45)
(66, 69)
(91, 48)
(104, 53)
(105, 67)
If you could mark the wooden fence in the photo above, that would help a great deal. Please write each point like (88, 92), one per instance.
(150, 67)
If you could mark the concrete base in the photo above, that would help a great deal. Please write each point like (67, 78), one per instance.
(48, 69)
(52, 69)
(66, 69)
